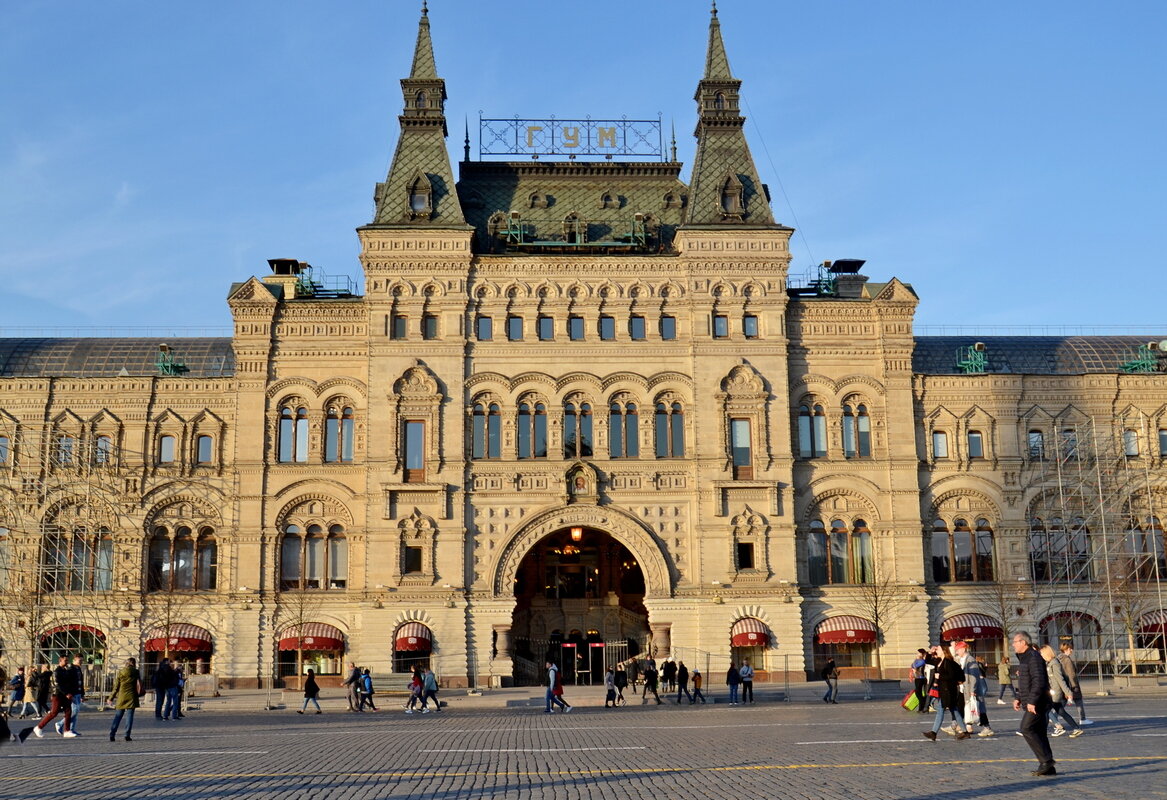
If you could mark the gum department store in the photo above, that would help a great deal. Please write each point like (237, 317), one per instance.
(577, 409)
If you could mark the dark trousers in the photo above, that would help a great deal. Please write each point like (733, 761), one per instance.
(159, 700)
(747, 691)
(59, 704)
(1032, 727)
(922, 706)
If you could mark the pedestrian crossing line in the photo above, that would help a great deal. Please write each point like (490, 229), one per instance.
(424, 774)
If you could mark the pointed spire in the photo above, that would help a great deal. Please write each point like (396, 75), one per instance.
(724, 187)
(419, 189)
(423, 53)
(466, 142)
(716, 62)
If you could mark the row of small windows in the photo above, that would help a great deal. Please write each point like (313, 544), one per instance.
(812, 431)
(576, 328)
(1035, 444)
(292, 434)
(1062, 554)
(974, 442)
(623, 430)
(67, 450)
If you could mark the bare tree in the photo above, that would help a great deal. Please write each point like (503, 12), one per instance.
(999, 600)
(295, 608)
(882, 600)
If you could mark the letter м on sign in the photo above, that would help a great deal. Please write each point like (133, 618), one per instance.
(605, 137)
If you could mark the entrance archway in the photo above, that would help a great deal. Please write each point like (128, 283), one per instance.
(579, 601)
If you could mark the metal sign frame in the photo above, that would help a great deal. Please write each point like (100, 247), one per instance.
(571, 138)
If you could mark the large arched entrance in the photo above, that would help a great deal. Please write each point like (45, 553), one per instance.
(579, 600)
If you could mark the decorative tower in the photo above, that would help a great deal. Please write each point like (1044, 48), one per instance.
(419, 190)
(725, 188)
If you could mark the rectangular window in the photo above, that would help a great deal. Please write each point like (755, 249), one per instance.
(203, 456)
(939, 444)
(65, 450)
(739, 442)
(398, 328)
(607, 328)
(636, 327)
(484, 329)
(575, 328)
(413, 452)
(429, 327)
(668, 328)
(166, 450)
(745, 555)
(1130, 443)
(3, 449)
(1036, 443)
(515, 329)
(976, 445)
(1163, 441)
(337, 562)
(546, 327)
(750, 326)
(720, 326)
(412, 560)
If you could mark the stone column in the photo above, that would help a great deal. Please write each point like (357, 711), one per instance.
(662, 642)
(502, 641)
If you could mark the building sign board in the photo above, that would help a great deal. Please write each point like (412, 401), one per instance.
(571, 138)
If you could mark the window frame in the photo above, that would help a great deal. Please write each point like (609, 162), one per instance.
(413, 450)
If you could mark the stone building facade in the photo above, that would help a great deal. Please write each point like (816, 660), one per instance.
(577, 410)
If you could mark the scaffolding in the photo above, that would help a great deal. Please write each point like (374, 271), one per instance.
(1096, 543)
(71, 562)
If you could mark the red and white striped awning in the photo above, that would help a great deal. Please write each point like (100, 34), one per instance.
(1154, 622)
(179, 637)
(967, 627)
(74, 628)
(845, 629)
(413, 637)
(749, 632)
(312, 636)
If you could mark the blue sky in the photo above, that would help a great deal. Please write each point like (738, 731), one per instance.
(1006, 159)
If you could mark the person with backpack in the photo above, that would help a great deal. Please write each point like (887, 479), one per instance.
(747, 673)
(366, 691)
(555, 690)
(830, 676)
(697, 687)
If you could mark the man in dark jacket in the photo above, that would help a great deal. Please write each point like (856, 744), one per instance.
(1033, 695)
(352, 685)
(64, 687)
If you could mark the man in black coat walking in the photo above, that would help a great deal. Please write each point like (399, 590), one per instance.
(1033, 695)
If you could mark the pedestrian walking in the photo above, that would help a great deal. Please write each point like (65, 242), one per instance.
(78, 695)
(668, 675)
(16, 688)
(830, 676)
(416, 689)
(125, 696)
(947, 680)
(747, 673)
(610, 688)
(651, 682)
(63, 688)
(1060, 695)
(974, 688)
(1005, 678)
(1033, 695)
(683, 683)
(44, 688)
(555, 690)
(733, 679)
(621, 680)
(366, 690)
(633, 667)
(697, 687)
(919, 679)
(1066, 659)
(311, 693)
(429, 687)
(352, 685)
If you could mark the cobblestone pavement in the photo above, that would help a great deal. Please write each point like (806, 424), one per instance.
(856, 749)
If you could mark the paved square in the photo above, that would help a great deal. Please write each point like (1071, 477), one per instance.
(856, 749)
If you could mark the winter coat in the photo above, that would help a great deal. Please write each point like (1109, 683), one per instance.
(733, 677)
(682, 676)
(127, 687)
(1059, 687)
(1004, 673)
(947, 679)
(1033, 680)
(430, 682)
(310, 687)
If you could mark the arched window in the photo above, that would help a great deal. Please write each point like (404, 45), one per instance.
(1058, 554)
(1147, 548)
(158, 561)
(577, 430)
(669, 430)
(486, 432)
(338, 434)
(419, 100)
(623, 430)
(204, 450)
(532, 430)
(313, 559)
(1079, 630)
(939, 444)
(941, 552)
(77, 560)
(856, 432)
(103, 451)
(983, 551)
(293, 435)
(66, 449)
(207, 561)
(842, 554)
(862, 557)
(817, 544)
(1035, 444)
(183, 549)
(812, 431)
(719, 101)
(976, 445)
